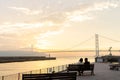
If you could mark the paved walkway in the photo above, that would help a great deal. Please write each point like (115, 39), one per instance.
(102, 72)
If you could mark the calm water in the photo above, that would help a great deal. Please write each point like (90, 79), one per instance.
(16, 67)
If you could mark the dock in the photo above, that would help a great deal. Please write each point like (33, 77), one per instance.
(102, 72)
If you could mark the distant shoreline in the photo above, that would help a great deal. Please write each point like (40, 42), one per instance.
(9, 59)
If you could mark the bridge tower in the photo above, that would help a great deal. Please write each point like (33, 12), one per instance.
(97, 45)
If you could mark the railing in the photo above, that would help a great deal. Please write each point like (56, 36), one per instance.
(18, 76)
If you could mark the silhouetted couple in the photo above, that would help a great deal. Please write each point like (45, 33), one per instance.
(86, 65)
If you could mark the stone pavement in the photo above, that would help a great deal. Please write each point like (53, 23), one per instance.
(102, 72)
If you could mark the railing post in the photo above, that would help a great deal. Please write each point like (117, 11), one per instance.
(18, 76)
(30, 72)
(66, 66)
(50, 70)
(2, 77)
(58, 68)
(53, 69)
(40, 70)
(47, 70)
(62, 67)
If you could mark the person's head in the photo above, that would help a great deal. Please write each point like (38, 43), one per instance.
(86, 59)
(81, 60)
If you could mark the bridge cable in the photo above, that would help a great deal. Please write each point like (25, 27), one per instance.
(110, 38)
(79, 43)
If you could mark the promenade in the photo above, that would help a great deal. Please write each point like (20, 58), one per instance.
(102, 72)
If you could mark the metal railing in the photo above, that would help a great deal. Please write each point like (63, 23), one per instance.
(18, 76)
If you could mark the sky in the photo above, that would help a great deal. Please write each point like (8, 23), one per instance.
(58, 24)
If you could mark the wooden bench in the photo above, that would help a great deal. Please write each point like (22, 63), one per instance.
(114, 66)
(50, 76)
(80, 68)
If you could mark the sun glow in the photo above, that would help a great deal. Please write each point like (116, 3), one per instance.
(57, 23)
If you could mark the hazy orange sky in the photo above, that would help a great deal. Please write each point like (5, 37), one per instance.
(58, 24)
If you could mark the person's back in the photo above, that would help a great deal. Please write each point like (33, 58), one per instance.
(80, 61)
(86, 63)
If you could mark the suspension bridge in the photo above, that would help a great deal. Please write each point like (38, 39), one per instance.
(95, 45)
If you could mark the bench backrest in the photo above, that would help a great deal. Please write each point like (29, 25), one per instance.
(78, 67)
(88, 67)
(73, 67)
(50, 76)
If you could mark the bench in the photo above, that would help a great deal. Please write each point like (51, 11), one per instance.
(80, 68)
(50, 76)
(114, 66)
